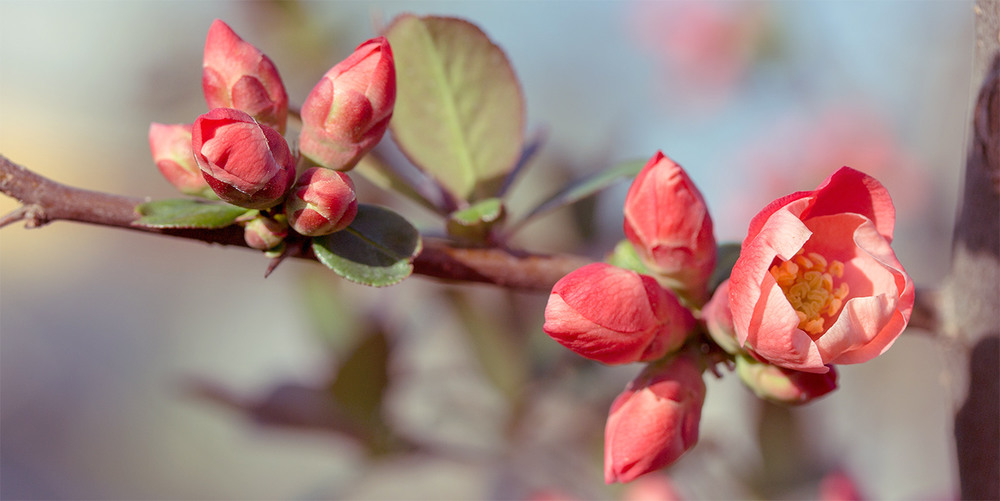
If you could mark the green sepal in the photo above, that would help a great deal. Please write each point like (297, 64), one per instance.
(187, 213)
(377, 249)
(625, 256)
(474, 223)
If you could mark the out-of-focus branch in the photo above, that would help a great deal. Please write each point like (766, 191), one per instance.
(970, 300)
(44, 201)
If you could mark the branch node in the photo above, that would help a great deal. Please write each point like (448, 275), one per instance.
(13, 216)
(35, 216)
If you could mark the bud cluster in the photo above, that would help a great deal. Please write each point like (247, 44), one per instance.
(816, 284)
(236, 151)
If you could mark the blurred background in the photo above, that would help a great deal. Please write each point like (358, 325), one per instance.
(140, 367)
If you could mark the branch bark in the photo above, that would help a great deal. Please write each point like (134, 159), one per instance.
(44, 201)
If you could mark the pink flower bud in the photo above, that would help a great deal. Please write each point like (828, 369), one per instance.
(347, 112)
(171, 149)
(784, 386)
(719, 320)
(654, 421)
(246, 163)
(237, 75)
(615, 316)
(264, 233)
(322, 202)
(668, 223)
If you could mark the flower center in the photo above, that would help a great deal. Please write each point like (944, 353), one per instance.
(808, 282)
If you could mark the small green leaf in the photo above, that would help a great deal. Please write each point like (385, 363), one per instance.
(459, 113)
(377, 249)
(583, 188)
(474, 223)
(187, 213)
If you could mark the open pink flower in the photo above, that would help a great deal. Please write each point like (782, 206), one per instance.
(667, 221)
(237, 75)
(655, 420)
(246, 163)
(615, 316)
(817, 282)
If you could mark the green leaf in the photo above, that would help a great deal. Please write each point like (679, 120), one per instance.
(459, 113)
(583, 188)
(474, 223)
(377, 249)
(727, 254)
(187, 213)
(362, 379)
(334, 315)
(495, 340)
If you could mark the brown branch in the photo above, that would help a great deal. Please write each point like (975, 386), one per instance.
(924, 318)
(44, 201)
(970, 300)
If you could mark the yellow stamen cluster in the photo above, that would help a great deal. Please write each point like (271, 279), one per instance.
(807, 281)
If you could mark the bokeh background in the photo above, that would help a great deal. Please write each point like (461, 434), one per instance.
(127, 361)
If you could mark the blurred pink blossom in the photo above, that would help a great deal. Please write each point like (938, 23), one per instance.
(651, 488)
(800, 149)
(703, 47)
(839, 486)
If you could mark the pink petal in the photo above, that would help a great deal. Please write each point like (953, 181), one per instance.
(583, 336)
(868, 326)
(609, 296)
(849, 190)
(781, 236)
(775, 334)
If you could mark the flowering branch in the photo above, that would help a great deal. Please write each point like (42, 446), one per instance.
(44, 201)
